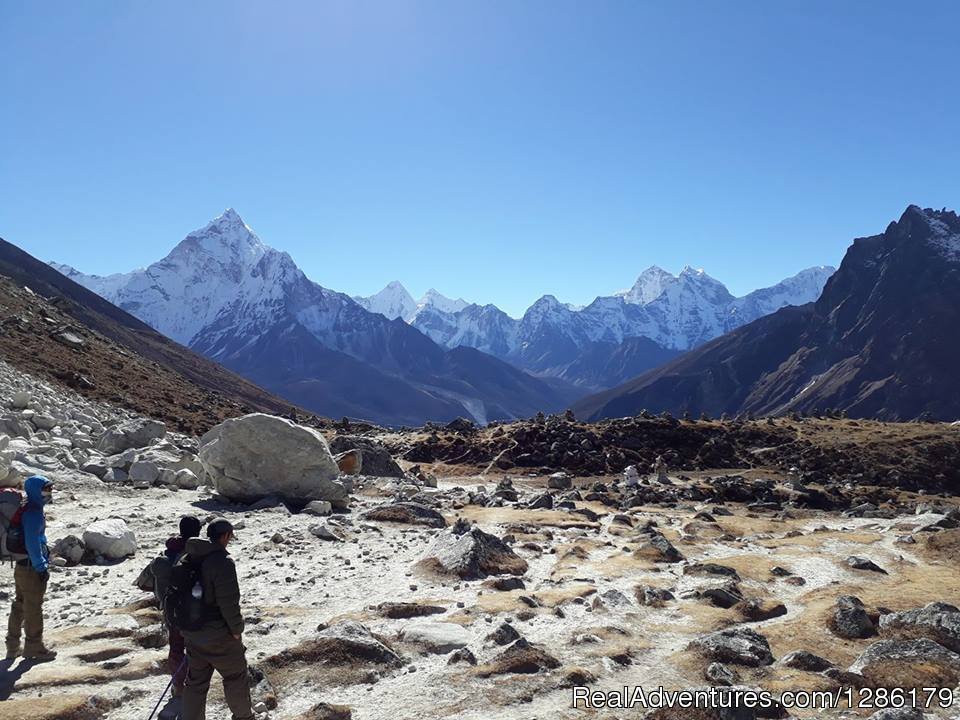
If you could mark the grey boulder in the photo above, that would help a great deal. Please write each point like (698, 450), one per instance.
(908, 664)
(258, 455)
(131, 434)
(937, 621)
(739, 646)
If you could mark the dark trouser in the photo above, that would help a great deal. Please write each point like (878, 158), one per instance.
(175, 657)
(26, 611)
(227, 656)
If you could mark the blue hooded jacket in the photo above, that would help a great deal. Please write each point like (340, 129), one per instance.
(35, 524)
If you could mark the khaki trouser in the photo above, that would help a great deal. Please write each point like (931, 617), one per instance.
(227, 656)
(26, 611)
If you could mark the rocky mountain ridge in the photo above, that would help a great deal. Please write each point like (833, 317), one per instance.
(879, 341)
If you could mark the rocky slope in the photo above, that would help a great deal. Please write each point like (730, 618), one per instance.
(53, 327)
(475, 595)
(224, 293)
(879, 341)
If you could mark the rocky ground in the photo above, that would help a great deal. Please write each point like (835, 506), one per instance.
(466, 589)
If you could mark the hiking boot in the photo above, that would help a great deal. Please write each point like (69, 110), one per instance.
(40, 654)
(172, 710)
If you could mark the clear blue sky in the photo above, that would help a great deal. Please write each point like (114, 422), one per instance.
(495, 150)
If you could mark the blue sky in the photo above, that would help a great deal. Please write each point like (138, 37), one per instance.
(495, 150)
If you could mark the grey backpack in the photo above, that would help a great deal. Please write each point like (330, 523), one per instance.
(12, 543)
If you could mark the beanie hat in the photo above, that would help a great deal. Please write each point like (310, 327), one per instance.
(219, 528)
(190, 527)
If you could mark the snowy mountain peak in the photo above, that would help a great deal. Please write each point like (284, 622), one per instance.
(432, 298)
(226, 239)
(392, 302)
(648, 287)
(699, 276)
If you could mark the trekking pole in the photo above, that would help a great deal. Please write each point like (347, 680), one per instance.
(182, 663)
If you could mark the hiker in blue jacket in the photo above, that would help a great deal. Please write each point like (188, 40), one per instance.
(31, 576)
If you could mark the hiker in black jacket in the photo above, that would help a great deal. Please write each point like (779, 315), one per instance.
(217, 645)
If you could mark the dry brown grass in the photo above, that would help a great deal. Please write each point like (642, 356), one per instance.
(56, 707)
(57, 675)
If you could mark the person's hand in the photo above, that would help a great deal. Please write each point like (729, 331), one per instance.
(236, 637)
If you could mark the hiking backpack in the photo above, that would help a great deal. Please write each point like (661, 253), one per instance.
(12, 542)
(183, 605)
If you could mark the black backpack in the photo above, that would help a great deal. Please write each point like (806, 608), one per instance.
(183, 603)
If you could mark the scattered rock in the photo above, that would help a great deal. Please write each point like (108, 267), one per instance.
(436, 637)
(324, 533)
(143, 471)
(110, 538)
(720, 674)
(377, 461)
(710, 569)
(186, 479)
(521, 657)
(740, 646)
(407, 512)
(759, 609)
(503, 635)
(658, 549)
(70, 548)
(859, 563)
(403, 610)
(326, 711)
(506, 584)
(850, 619)
(345, 643)
(803, 660)
(908, 664)
(131, 434)
(725, 596)
(652, 596)
(463, 655)
(937, 621)
(318, 507)
(472, 555)
(559, 481)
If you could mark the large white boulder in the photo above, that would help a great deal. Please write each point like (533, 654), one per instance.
(251, 457)
(110, 538)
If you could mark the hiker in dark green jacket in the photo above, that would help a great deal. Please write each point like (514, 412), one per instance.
(217, 645)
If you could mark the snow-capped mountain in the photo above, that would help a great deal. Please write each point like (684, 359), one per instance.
(394, 301)
(224, 293)
(880, 341)
(186, 291)
(675, 312)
